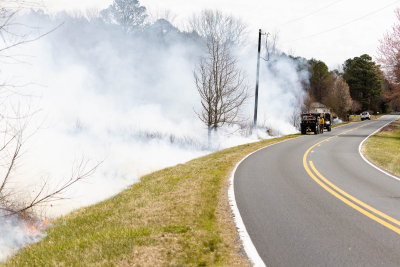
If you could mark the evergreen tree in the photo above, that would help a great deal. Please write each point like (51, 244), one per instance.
(319, 79)
(127, 13)
(365, 80)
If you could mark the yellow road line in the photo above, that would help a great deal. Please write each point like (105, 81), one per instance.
(353, 198)
(348, 202)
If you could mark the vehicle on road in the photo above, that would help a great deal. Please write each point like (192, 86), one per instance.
(365, 116)
(310, 122)
(328, 122)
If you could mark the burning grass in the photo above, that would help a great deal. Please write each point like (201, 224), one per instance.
(179, 216)
(383, 148)
(17, 232)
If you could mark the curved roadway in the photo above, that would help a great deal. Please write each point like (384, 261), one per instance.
(313, 201)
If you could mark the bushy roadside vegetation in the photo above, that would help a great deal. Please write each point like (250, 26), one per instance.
(383, 148)
(179, 216)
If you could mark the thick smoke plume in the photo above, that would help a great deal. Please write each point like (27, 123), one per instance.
(127, 100)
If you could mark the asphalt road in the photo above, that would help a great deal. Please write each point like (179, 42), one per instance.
(313, 201)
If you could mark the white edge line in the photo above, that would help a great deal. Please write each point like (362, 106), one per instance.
(248, 245)
(370, 163)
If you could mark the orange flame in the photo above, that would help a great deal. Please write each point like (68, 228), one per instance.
(33, 229)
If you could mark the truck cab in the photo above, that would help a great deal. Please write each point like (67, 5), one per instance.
(310, 122)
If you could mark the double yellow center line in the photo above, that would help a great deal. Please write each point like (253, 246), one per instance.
(345, 197)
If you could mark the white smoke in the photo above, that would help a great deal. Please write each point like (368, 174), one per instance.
(337, 121)
(14, 235)
(131, 110)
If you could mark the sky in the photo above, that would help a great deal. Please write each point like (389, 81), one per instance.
(333, 47)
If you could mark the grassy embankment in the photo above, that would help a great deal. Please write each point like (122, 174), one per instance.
(178, 216)
(383, 148)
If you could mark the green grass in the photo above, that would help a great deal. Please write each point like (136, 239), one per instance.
(178, 216)
(355, 118)
(383, 148)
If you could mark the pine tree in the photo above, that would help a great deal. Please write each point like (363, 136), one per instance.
(364, 78)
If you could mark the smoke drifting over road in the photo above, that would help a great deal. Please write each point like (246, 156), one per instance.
(126, 101)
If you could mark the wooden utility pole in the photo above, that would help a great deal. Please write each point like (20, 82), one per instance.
(258, 76)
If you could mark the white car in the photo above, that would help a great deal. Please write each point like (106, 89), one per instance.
(365, 116)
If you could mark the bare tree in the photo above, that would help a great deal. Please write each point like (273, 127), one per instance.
(92, 13)
(389, 58)
(339, 98)
(307, 103)
(129, 14)
(273, 46)
(291, 52)
(156, 14)
(210, 23)
(355, 106)
(77, 14)
(295, 117)
(221, 85)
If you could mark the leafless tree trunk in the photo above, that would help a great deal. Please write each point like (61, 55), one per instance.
(221, 85)
(203, 77)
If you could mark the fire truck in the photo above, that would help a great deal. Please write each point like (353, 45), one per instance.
(311, 122)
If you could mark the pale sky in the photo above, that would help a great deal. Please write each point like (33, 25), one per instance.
(334, 47)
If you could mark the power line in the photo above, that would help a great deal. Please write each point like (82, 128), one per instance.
(305, 15)
(342, 24)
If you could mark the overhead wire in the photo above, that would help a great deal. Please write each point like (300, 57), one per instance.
(341, 25)
(305, 15)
